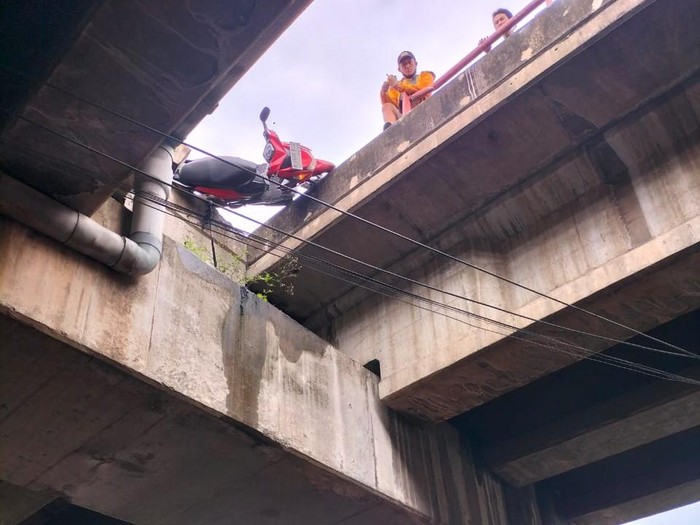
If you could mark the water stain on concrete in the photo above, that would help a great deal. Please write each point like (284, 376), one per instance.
(244, 355)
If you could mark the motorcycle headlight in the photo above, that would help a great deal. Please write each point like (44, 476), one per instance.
(268, 152)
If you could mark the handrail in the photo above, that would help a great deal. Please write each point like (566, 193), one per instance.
(482, 47)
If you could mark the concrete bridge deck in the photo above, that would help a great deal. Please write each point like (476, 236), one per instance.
(566, 160)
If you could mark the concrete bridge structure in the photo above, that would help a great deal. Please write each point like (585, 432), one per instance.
(556, 178)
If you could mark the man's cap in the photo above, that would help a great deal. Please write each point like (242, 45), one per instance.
(405, 54)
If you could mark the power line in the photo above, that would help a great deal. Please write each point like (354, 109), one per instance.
(547, 342)
(372, 267)
(347, 213)
(541, 340)
(587, 354)
(318, 264)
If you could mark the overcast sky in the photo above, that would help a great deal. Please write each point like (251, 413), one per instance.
(321, 80)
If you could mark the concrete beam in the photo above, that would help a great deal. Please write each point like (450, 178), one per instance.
(643, 481)
(190, 330)
(634, 419)
(643, 506)
(434, 385)
(17, 504)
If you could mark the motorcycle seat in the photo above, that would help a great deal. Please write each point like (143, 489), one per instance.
(229, 173)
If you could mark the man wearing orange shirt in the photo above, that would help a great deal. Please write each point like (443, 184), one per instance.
(411, 83)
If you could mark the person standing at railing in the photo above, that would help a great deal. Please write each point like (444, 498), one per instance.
(499, 18)
(411, 82)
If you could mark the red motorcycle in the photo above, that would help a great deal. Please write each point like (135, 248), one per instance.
(233, 182)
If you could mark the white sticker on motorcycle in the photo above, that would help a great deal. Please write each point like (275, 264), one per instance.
(295, 153)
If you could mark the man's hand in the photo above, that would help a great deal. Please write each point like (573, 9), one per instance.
(487, 48)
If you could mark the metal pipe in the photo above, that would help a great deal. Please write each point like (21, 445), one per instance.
(136, 255)
(149, 213)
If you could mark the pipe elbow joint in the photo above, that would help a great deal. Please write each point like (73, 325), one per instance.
(138, 257)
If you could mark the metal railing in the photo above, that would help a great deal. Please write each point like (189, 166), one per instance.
(484, 46)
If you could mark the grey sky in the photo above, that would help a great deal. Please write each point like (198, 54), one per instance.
(321, 80)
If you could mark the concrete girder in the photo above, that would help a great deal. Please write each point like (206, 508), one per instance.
(239, 364)
(636, 418)
(649, 479)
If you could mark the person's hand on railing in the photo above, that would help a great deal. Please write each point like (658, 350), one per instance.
(487, 48)
(422, 93)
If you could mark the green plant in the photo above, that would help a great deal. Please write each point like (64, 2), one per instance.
(282, 280)
(201, 253)
(267, 282)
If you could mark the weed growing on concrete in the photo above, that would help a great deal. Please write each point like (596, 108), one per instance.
(201, 253)
(267, 282)
(282, 280)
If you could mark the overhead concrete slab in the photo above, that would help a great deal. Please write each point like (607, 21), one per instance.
(651, 479)
(164, 64)
(627, 422)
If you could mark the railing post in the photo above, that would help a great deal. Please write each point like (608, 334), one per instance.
(405, 103)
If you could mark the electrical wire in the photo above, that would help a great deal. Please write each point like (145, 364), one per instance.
(347, 213)
(582, 352)
(352, 215)
(374, 268)
(689, 354)
(319, 265)
(548, 342)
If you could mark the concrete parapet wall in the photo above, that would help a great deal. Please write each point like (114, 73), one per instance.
(192, 331)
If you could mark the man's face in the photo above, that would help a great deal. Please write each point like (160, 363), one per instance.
(407, 67)
(499, 20)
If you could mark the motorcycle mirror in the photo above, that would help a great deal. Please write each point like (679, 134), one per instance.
(264, 114)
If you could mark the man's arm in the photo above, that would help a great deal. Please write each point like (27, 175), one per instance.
(389, 91)
(425, 79)
(383, 96)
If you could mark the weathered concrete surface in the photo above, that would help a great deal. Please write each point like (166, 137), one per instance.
(633, 419)
(546, 163)
(628, 487)
(75, 427)
(163, 63)
(17, 504)
(189, 330)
